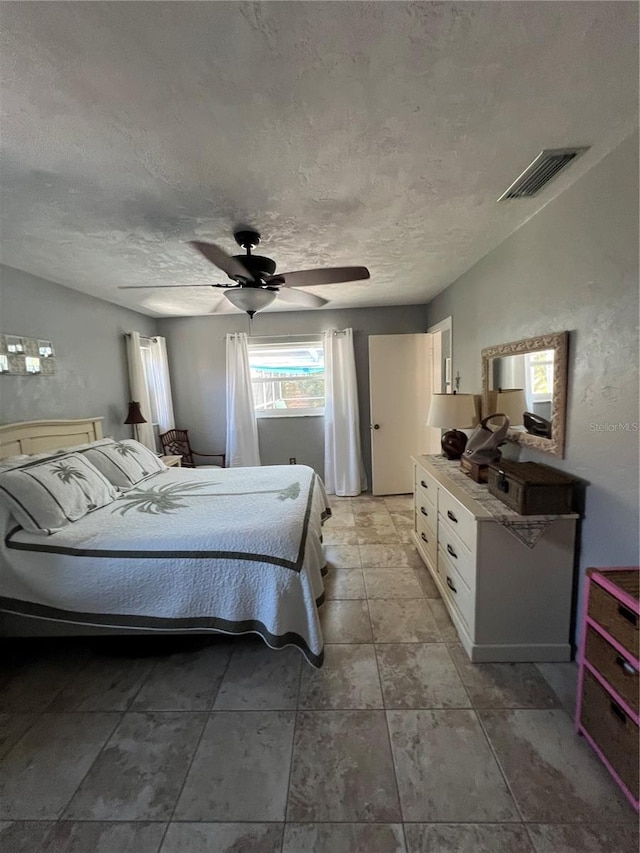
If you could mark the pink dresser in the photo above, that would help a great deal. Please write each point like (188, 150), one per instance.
(608, 702)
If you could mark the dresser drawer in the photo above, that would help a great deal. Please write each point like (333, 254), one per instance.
(613, 667)
(615, 617)
(428, 539)
(612, 729)
(427, 484)
(456, 589)
(426, 511)
(459, 518)
(457, 552)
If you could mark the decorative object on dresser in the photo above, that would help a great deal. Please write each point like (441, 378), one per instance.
(478, 473)
(538, 366)
(483, 447)
(607, 707)
(530, 488)
(506, 579)
(453, 412)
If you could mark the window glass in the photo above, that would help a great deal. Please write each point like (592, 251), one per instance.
(540, 374)
(287, 377)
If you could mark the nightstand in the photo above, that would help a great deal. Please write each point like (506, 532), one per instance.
(172, 461)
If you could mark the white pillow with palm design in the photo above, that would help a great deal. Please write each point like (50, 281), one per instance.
(124, 463)
(45, 496)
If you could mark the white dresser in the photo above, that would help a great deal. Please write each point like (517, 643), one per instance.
(506, 579)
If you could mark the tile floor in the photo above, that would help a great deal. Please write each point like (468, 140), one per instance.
(211, 745)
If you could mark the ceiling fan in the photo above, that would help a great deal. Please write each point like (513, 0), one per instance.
(254, 282)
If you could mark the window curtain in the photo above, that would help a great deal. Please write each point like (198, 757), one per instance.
(242, 426)
(344, 473)
(139, 391)
(160, 384)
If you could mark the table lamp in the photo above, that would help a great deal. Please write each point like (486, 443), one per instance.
(135, 417)
(452, 412)
(510, 402)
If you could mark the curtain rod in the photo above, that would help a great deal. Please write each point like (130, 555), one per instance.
(302, 335)
(142, 337)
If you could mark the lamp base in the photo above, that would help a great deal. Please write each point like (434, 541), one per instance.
(453, 443)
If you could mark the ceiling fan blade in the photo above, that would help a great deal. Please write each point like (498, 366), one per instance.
(300, 297)
(217, 256)
(328, 275)
(164, 286)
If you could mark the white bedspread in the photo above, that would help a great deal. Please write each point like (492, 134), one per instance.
(232, 550)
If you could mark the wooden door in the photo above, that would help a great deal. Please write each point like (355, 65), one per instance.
(400, 381)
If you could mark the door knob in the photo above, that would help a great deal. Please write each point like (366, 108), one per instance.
(376, 426)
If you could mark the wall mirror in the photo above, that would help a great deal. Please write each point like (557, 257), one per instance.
(527, 381)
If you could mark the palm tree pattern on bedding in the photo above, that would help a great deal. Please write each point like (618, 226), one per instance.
(167, 498)
(66, 473)
(128, 451)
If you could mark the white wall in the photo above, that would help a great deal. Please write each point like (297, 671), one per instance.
(87, 334)
(196, 347)
(574, 266)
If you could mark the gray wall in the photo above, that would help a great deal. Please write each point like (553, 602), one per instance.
(573, 266)
(87, 336)
(196, 347)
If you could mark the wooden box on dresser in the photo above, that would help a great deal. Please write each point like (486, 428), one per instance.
(506, 579)
(608, 681)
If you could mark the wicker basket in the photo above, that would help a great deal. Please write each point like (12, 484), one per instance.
(613, 730)
(531, 488)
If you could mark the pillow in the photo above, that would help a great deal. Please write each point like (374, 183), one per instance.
(124, 463)
(45, 496)
(80, 448)
(23, 459)
(13, 461)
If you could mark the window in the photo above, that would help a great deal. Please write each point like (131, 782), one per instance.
(287, 377)
(539, 375)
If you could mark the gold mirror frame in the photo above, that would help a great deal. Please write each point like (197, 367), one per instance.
(559, 344)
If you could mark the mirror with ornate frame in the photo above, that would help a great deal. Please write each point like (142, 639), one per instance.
(527, 380)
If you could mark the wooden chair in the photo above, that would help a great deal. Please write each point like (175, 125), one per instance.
(175, 442)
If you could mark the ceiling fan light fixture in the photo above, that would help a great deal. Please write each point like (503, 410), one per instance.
(250, 299)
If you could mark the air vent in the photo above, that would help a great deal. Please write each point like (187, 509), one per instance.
(545, 167)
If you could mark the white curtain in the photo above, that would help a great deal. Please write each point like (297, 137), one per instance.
(160, 384)
(344, 473)
(242, 426)
(139, 391)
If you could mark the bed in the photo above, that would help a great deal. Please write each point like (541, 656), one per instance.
(231, 551)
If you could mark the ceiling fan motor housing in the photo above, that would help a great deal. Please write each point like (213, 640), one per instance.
(258, 266)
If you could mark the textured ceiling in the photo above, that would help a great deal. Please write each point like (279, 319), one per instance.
(347, 133)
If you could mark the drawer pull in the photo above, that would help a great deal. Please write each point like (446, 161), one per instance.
(617, 710)
(423, 511)
(625, 666)
(452, 552)
(452, 587)
(424, 538)
(452, 516)
(627, 614)
(423, 484)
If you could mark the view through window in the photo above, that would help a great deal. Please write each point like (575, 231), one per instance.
(540, 374)
(287, 377)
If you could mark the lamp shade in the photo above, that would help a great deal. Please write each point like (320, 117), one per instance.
(250, 299)
(452, 411)
(134, 415)
(510, 402)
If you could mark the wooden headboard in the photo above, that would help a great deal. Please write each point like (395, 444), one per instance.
(40, 436)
